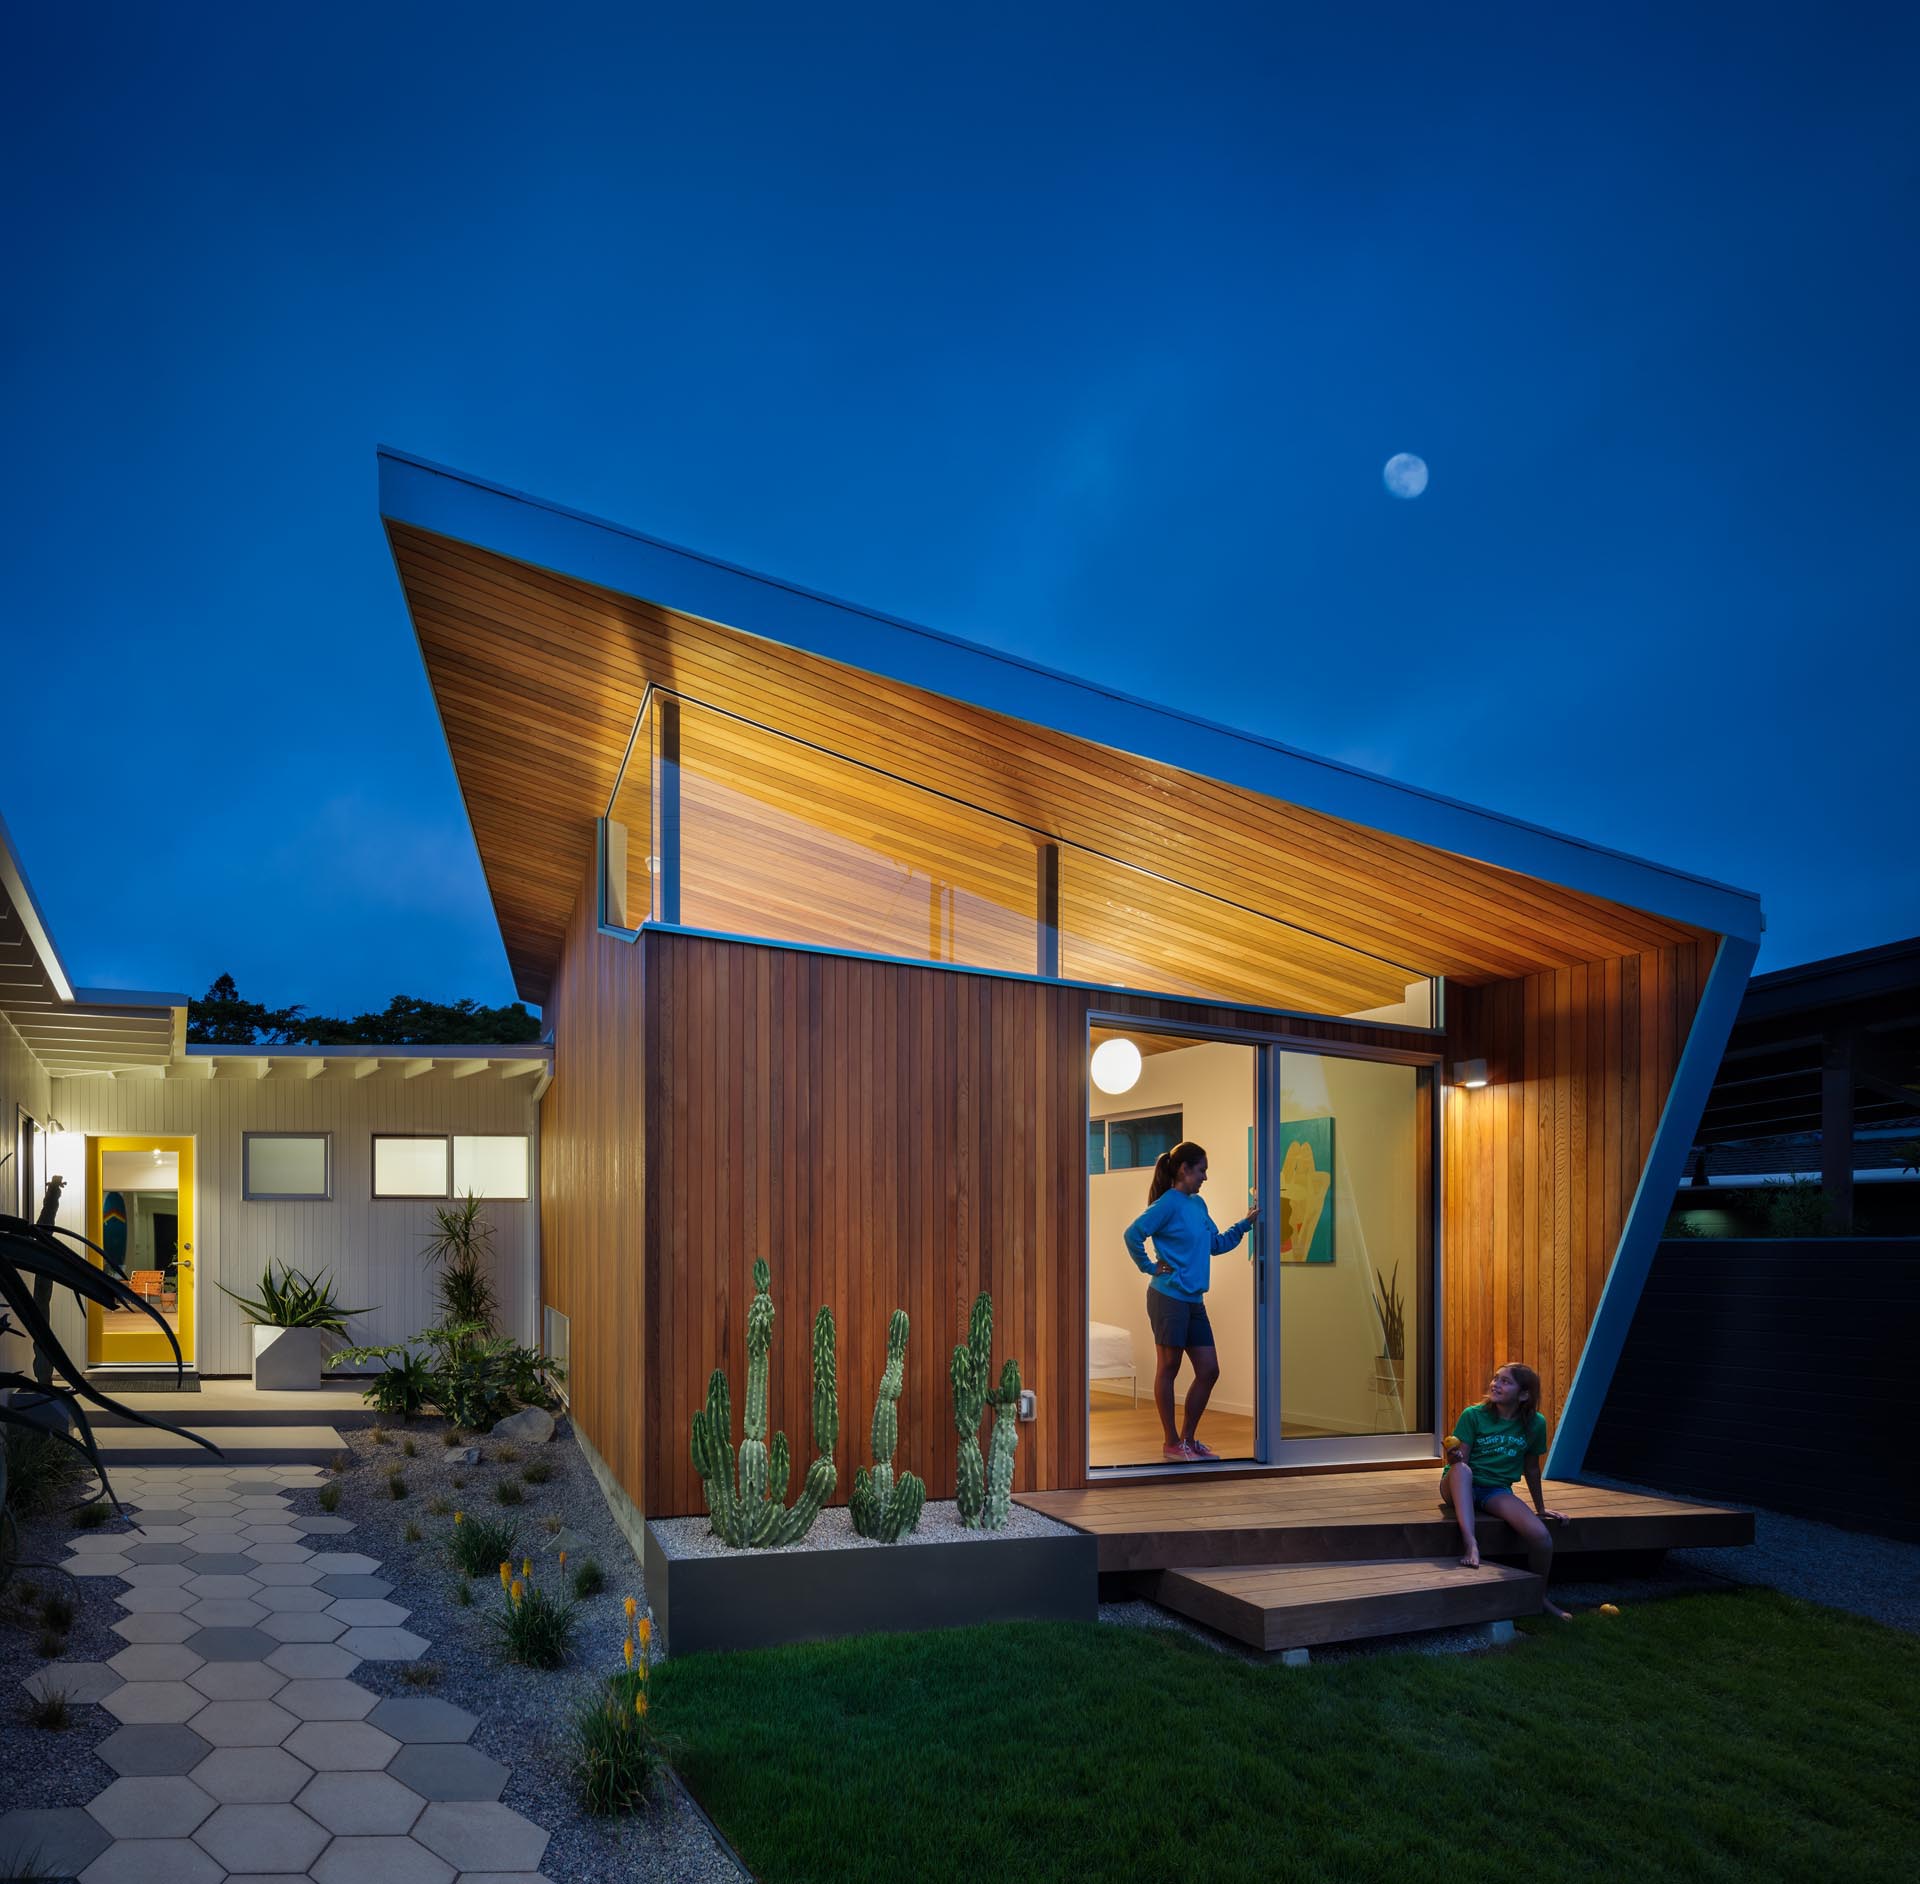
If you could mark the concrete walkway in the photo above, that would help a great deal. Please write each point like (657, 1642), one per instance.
(245, 1749)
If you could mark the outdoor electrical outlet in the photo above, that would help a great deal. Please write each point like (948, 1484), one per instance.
(1026, 1403)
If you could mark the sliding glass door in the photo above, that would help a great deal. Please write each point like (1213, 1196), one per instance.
(1320, 1321)
(1351, 1254)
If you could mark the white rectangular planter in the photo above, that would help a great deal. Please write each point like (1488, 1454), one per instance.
(288, 1360)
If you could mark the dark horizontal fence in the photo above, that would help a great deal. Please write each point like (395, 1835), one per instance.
(1776, 1373)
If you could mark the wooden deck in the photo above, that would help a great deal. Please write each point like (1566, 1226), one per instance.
(1353, 1517)
(1305, 1605)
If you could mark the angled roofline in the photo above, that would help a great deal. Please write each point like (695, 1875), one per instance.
(468, 509)
(13, 874)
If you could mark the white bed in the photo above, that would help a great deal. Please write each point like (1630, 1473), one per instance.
(1110, 1356)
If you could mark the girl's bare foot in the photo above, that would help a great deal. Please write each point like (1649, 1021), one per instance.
(1553, 1609)
(1471, 1561)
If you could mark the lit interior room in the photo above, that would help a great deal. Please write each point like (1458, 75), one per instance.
(1346, 1228)
(140, 1232)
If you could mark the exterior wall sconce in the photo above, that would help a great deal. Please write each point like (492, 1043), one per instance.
(1470, 1073)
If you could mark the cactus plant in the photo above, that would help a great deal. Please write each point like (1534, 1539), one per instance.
(746, 1499)
(984, 1490)
(1006, 1436)
(882, 1506)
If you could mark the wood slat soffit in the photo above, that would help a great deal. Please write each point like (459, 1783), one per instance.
(539, 679)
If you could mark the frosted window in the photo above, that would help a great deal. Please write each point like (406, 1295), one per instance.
(286, 1166)
(409, 1167)
(490, 1167)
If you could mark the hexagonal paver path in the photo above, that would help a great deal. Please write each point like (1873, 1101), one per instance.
(245, 1747)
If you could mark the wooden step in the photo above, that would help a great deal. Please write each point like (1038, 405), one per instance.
(1277, 1606)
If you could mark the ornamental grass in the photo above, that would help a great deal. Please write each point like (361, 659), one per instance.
(616, 1752)
(478, 1543)
(536, 1628)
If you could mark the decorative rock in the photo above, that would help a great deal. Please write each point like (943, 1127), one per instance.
(464, 1455)
(531, 1426)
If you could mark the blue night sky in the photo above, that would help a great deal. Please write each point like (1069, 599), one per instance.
(1084, 334)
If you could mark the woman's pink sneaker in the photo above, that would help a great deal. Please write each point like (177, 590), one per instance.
(1200, 1450)
(1179, 1454)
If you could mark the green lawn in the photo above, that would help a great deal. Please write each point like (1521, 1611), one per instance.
(1723, 1736)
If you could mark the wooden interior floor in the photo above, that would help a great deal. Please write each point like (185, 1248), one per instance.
(1332, 1517)
(1119, 1434)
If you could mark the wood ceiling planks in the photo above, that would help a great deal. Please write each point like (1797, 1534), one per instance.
(539, 679)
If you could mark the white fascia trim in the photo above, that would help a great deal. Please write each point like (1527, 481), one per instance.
(202, 1050)
(20, 894)
(129, 997)
(589, 549)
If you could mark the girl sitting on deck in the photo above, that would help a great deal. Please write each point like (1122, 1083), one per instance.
(1490, 1446)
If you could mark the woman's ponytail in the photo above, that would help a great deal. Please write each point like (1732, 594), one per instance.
(1168, 1166)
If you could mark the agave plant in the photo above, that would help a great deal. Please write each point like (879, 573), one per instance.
(35, 1259)
(293, 1299)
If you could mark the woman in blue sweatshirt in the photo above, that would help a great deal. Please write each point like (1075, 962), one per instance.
(1185, 1244)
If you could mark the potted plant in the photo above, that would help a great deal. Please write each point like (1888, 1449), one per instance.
(296, 1320)
(1390, 1309)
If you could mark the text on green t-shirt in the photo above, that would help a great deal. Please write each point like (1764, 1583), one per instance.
(1500, 1448)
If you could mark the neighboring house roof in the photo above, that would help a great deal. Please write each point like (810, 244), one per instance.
(542, 629)
(69, 1029)
(1792, 1019)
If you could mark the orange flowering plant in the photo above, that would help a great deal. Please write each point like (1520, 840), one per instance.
(616, 1752)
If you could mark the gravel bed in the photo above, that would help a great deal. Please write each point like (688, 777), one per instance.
(522, 1712)
(39, 1767)
(833, 1530)
(1875, 1577)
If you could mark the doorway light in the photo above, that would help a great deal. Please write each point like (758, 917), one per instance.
(1116, 1066)
(1470, 1073)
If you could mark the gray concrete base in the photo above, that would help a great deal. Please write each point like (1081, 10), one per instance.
(754, 1599)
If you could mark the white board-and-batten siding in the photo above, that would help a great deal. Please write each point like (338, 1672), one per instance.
(24, 1087)
(371, 1245)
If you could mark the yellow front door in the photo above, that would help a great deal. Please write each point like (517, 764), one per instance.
(140, 1211)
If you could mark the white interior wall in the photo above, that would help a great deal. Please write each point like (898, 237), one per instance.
(370, 1244)
(1213, 1084)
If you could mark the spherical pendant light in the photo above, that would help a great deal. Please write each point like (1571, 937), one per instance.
(1116, 1066)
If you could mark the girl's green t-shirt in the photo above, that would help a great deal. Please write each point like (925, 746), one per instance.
(1500, 1448)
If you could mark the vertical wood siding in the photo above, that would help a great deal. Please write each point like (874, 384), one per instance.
(592, 1152)
(372, 1245)
(887, 1137)
(1540, 1166)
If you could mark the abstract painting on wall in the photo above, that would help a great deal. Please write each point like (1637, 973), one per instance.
(1306, 1191)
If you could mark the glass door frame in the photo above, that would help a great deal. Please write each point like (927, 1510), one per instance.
(1271, 1449)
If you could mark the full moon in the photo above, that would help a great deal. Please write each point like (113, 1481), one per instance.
(1406, 475)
